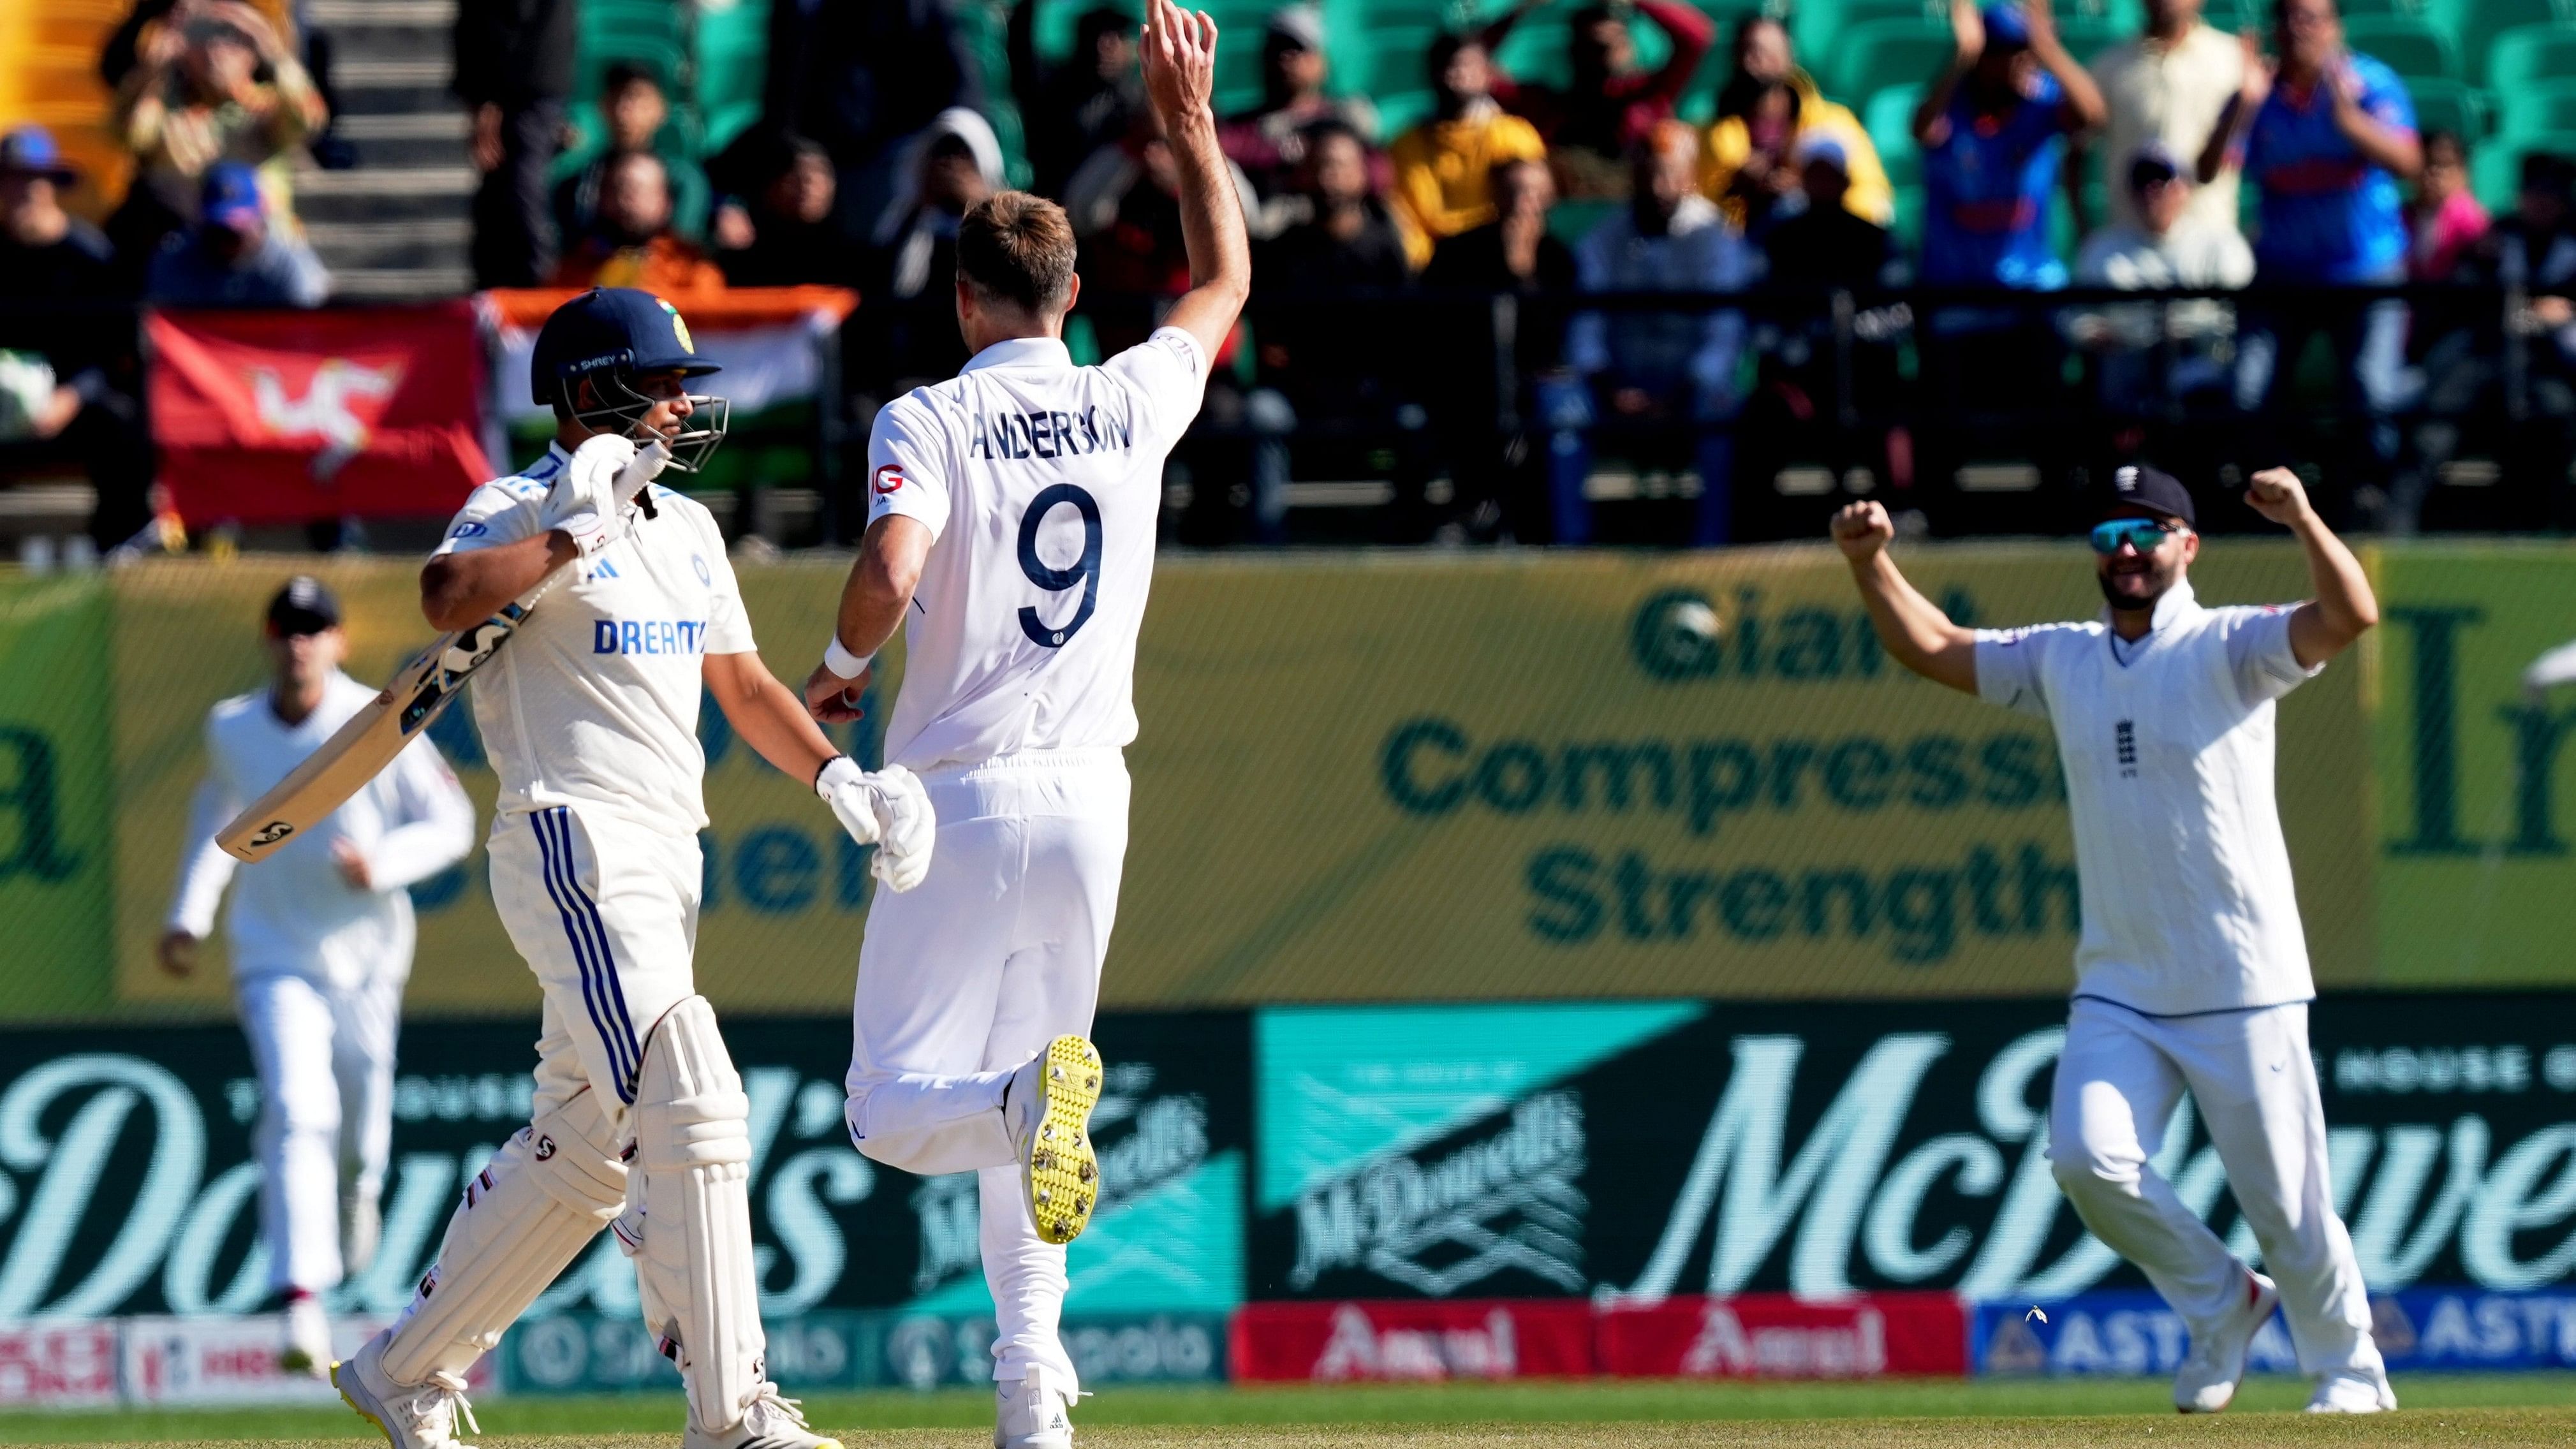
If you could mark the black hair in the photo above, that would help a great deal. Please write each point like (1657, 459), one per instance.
(1444, 49)
(623, 73)
(1096, 22)
(1737, 95)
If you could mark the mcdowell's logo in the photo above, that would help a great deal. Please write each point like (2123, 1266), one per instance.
(1507, 1202)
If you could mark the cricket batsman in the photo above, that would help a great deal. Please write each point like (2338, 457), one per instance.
(2191, 972)
(590, 718)
(1011, 534)
(321, 937)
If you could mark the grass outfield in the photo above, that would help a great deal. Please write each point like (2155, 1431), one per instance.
(2452, 1410)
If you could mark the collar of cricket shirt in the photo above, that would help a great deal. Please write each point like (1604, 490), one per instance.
(1021, 352)
(2179, 602)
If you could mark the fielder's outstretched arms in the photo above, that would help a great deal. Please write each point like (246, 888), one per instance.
(2190, 961)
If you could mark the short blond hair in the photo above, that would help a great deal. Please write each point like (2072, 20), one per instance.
(1017, 247)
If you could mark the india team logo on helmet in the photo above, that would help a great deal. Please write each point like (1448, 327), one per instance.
(679, 326)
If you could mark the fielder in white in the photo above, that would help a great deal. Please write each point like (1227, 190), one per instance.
(2191, 971)
(590, 717)
(1011, 535)
(321, 935)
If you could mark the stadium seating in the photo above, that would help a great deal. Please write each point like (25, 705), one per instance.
(731, 55)
(2405, 44)
(1877, 54)
(2474, 24)
(2550, 106)
(2494, 172)
(2530, 55)
(2446, 105)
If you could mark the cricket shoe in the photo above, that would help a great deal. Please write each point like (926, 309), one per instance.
(1047, 1106)
(2209, 1376)
(308, 1337)
(773, 1421)
(1033, 1413)
(2354, 1391)
(412, 1416)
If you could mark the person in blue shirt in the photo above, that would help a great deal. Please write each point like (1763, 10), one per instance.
(235, 256)
(1993, 127)
(2325, 136)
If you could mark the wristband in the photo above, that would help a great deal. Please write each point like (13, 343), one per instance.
(843, 663)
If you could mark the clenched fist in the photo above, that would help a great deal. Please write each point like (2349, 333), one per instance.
(1863, 529)
(2278, 495)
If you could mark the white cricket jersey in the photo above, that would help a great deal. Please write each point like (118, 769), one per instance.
(594, 702)
(1040, 483)
(294, 912)
(2167, 748)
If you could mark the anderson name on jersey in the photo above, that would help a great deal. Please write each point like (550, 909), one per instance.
(1040, 483)
(595, 701)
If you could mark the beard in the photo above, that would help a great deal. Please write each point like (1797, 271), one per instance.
(2157, 585)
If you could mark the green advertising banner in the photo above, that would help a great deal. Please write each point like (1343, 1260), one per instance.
(57, 856)
(1395, 777)
(2472, 767)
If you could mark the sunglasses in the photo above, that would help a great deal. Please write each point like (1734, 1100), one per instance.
(2143, 534)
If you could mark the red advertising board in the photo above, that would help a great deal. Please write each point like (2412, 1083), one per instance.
(58, 1366)
(1344, 1342)
(1780, 1336)
(286, 417)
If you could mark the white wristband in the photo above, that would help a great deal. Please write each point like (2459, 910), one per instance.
(843, 663)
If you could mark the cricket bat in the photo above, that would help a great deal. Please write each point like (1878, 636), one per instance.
(360, 749)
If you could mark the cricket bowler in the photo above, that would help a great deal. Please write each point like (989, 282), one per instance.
(2191, 970)
(321, 936)
(590, 719)
(1011, 534)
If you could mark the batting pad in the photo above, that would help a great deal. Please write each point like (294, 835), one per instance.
(524, 1218)
(693, 1260)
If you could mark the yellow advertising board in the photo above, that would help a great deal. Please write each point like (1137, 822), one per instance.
(1404, 778)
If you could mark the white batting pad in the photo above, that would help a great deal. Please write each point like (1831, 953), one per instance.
(692, 1241)
(524, 1218)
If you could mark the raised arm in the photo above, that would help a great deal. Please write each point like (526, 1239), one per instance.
(1967, 42)
(2084, 106)
(1912, 627)
(2238, 117)
(2344, 608)
(458, 589)
(1180, 79)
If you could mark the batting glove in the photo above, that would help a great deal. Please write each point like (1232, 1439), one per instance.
(887, 809)
(593, 500)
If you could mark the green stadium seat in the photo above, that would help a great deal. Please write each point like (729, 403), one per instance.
(2474, 24)
(2495, 172)
(2453, 106)
(1391, 63)
(1880, 53)
(1818, 26)
(2405, 44)
(1888, 116)
(731, 48)
(2085, 39)
(2530, 111)
(2530, 55)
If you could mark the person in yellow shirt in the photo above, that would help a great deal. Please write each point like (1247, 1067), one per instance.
(1441, 165)
(1745, 155)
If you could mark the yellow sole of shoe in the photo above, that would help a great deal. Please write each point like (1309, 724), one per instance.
(353, 1404)
(1063, 1173)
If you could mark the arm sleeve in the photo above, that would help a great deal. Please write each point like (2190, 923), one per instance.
(728, 622)
(2008, 668)
(1692, 34)
(493, 515)
(908, 466)
(2384, 97)
(437, 820)
(2259, 654)
(204, 869)
(1169, 372)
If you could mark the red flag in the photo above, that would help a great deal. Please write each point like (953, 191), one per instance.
(282, 417)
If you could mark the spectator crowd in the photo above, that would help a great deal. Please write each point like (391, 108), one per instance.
(1424, 310)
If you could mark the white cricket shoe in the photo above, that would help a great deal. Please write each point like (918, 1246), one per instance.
(1047, 1106)
(2354, 1391)
(2207, 1381)
(773, 1421)
(412, 1416)
(1033, 1413)
(308, 1337)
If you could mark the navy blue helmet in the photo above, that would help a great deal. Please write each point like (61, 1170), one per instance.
(609, 337)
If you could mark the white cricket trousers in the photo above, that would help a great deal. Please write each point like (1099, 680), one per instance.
(964, 978)
(606, 913)
(2119, 1079)
(325, 1057)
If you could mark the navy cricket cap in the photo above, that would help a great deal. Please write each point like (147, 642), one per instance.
(2137, 488)
(304, 606)
(611, 329)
